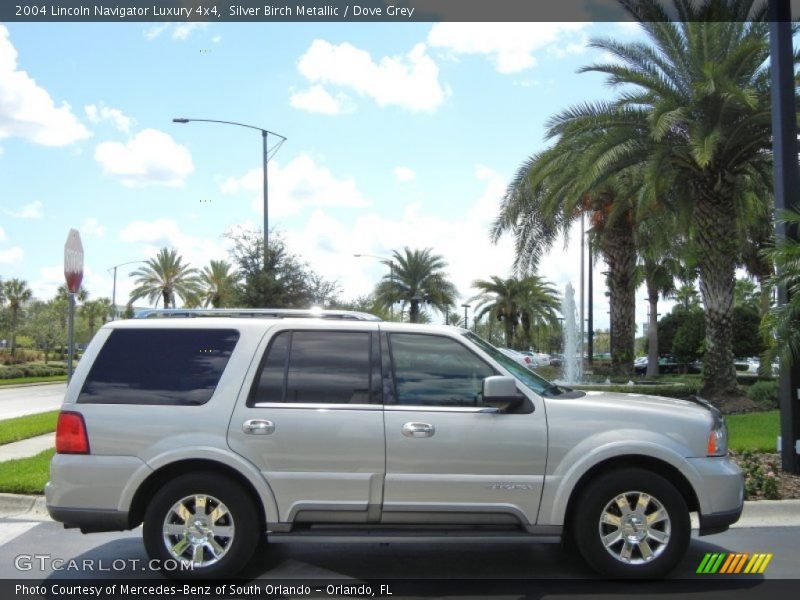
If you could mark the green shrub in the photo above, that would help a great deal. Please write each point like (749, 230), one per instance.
(756, 480)
(765, 393)
(32, 370)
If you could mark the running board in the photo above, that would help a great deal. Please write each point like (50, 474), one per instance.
(384, 536)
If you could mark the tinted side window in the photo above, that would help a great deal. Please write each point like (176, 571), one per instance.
(159, 366)
(436, 371)
(330, 367)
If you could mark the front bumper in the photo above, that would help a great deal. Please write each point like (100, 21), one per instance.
(720, 492)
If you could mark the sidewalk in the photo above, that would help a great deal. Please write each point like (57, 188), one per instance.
(29, 447)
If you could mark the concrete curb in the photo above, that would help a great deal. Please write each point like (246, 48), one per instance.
(24, 385)
(761, 513)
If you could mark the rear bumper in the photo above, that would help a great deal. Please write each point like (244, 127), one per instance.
(89, 520)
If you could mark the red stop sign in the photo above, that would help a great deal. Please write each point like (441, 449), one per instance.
(73, 261)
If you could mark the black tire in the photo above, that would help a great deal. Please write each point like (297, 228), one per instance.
(596, 499)
(241, 513)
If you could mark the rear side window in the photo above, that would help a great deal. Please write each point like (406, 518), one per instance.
(318, 367)
(159, 366)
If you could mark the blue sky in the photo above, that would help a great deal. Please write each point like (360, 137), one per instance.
(398, 134)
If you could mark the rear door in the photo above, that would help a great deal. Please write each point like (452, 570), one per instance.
(447, 458)
(313, 422)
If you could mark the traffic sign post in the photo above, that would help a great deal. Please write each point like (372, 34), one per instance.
(73, 273)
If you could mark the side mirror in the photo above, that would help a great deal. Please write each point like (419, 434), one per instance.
(501, 391)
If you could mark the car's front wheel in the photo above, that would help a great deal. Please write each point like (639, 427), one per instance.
(631, 523)
(201, 525)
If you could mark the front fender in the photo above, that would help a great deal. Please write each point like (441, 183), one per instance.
(560, 482)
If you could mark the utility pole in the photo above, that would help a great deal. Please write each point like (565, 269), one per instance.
(787, 183)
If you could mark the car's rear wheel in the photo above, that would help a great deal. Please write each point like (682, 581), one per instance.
(201, 525)
(631, 523)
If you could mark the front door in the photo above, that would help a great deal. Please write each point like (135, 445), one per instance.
(313, 423)
(443, 454)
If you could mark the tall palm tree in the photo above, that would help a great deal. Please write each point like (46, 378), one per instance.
(17, 295)
(552, 190)
(418, 277)
(517, 303)
(694, 110)
(218, 283)
(165, 277)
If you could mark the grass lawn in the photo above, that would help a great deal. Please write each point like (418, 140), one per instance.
(753, 431)
(26, 475)
(21, 428)
(18, 380)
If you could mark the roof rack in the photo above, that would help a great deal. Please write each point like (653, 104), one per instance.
(258, 313)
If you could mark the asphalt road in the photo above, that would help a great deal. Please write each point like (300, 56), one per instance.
(30, 399)
(32, 540)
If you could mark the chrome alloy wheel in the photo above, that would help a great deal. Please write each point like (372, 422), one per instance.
(635, 528)
(198, 529)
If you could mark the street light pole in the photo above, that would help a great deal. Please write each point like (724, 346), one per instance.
(466, 319)
(114, 289)
(265, 159)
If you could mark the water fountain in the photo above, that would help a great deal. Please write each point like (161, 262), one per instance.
(573, 365)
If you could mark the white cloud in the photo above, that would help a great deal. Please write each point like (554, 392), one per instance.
(410, 81)
(33, 210)
(301, 184)
(511, 46)
(316, 99)
(180, 31)
(404, 174)
(96, 114)
(183, 30)
(216, 39)
(27, 110)
(2, 234)
(151, 157)
(92, 227)
(11, 255)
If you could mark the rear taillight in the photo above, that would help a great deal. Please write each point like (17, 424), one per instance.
(71, 436)
(527, 360)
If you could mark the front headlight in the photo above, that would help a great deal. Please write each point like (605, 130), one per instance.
(718, 437)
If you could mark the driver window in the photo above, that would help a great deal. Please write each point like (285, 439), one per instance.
(431, 370)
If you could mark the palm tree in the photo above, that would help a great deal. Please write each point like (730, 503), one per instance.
(17, 294)
(517, 303)
(94, 311)
(218, 284)
(552, 190)
(164, 277)
(418, 277)
(694, 110)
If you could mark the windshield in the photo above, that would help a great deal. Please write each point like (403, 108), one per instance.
(538, 384)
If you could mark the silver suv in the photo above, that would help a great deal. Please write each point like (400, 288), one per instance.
(220, 430)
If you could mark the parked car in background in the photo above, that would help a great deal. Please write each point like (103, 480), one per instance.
(539, 358)
(667, 363)
(524, 360)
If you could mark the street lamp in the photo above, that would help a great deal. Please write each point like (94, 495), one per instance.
(264, 134)
(114, 289)
(388, 261)
(466, 319)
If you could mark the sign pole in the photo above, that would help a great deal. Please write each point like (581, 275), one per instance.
(71, 335)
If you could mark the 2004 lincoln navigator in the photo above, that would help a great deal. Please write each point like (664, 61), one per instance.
(218, 430)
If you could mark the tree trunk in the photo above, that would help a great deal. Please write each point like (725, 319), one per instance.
(619, 251)
(413, 313)
(715, 226)
(652, 330)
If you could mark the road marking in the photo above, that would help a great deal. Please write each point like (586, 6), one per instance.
(8, 531)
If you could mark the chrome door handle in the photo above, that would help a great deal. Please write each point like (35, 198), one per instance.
(418, 430)
(258, 426)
